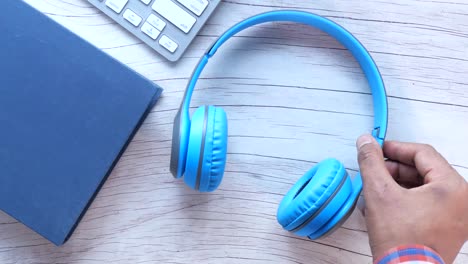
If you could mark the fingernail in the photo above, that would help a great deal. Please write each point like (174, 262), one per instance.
(364, 140)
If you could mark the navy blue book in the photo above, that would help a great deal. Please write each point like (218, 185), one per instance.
(67, 112)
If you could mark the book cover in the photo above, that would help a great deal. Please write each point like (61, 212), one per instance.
(67, 112)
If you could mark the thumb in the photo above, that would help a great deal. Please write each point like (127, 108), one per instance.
(376, 178)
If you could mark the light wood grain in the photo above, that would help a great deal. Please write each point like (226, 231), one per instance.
(293, 97)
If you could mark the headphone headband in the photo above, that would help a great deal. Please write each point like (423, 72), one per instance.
(333, 29)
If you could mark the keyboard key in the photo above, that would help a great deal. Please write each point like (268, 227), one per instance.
(116, 5)
(196, 6)
(175, 14)
(156, 22)
(132, 17)
(146, 2)
(150, 31)
(168, 43)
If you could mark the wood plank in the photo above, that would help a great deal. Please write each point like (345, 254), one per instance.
(281, 122)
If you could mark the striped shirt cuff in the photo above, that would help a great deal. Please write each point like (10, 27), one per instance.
(410, 254)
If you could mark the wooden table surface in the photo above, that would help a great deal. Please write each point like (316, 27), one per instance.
(293, 97)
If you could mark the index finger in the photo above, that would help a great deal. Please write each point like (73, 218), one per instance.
(422, 156)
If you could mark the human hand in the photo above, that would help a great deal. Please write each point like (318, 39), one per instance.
(415, 197)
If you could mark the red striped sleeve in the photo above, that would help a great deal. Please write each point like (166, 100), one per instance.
(410, 254)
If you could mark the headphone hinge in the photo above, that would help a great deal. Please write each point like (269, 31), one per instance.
(376, 133)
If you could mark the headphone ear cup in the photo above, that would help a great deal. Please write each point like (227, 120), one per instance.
(313, 198)
(336, 220)
(206, 155)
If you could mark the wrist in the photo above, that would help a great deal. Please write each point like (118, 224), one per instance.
(409, 253)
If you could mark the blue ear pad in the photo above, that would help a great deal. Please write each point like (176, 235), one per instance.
(315, 198)
(344, 212)
(206, 156)
(214, 159)
(315, 225)
(337, 220)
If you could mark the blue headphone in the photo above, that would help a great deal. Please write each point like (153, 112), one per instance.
(325, 196)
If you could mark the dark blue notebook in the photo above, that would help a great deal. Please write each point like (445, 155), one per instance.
(67, 112)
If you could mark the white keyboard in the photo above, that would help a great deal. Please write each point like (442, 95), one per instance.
(167, 26)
